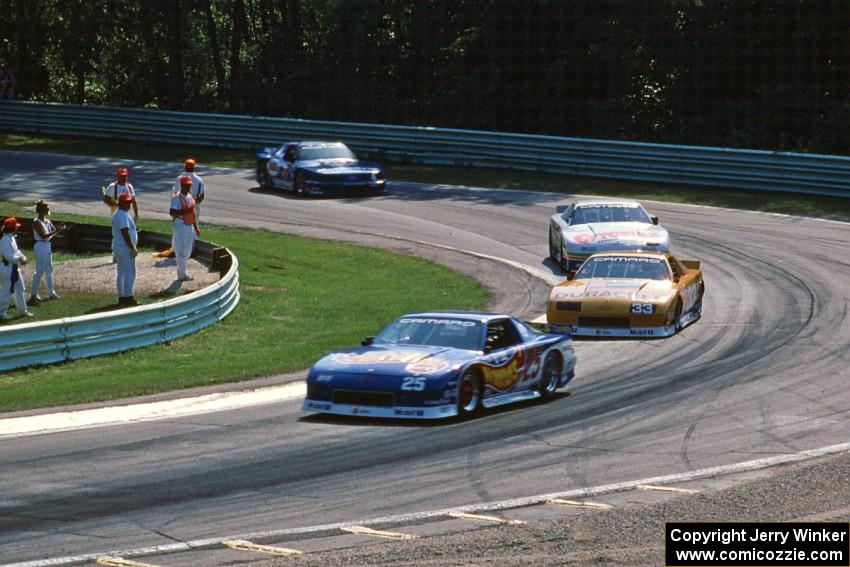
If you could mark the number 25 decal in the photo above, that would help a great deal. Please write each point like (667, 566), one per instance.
(413, 384)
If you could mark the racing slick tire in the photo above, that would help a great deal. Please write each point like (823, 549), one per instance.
(677, 316)
(550, 378)
(298, 183)
(553, 253)
(263, 176)
(468, 394)
(697, 309)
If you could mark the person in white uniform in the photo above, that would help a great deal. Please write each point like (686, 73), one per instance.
(184, 226)
(43, 231)
(11, 260)
(199, 190)
(125, 241)
(119, 187)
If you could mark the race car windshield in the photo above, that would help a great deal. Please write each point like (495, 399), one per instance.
(455, 333)
(624, 267)
(609, 213)
(325, 152)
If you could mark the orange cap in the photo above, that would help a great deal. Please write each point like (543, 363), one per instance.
(11, 223)
(121, 171)
(189, 163)
(185, 180)
(125, 198)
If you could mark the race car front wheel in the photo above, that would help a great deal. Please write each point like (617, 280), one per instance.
(263, 177)
(551, 376)
(468, 394)
(677, 316)
(298, 183)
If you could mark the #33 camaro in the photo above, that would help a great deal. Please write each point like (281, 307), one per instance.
(628, 294)
(317, 168)
(441, 364)
(580, 229)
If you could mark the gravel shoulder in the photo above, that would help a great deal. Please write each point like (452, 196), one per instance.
(155, 277)
(630, 536)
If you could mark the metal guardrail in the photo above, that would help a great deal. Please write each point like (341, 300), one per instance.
(58, 340)
(691, 165)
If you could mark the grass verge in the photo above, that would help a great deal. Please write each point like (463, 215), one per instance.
(300, 298)
(807, 205)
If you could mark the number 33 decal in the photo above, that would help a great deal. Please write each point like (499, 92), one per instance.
(643, 308)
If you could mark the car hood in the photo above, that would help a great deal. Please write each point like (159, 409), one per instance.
(627, 290)
(614, 233)
(401, 360)
(338, 166)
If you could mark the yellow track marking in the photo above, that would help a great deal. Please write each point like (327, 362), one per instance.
(577, 504)
(482, 518)
(666, 489)
(362, 530)
(244, 545)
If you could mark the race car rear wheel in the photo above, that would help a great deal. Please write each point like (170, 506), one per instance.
(468, 394)
(551, 376)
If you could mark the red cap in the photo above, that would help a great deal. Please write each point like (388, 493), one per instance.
(189, 163)
(185, 180)
(11, 223)
(121, 171)
(125, 198)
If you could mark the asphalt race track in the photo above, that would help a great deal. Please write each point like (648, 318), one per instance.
(764, 373)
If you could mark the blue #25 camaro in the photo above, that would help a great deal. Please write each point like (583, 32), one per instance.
(317, 168)
(441, 364)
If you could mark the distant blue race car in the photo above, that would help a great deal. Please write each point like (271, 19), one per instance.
(441, 364)
(317, 168)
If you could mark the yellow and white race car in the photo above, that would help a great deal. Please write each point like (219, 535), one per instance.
(628, 294)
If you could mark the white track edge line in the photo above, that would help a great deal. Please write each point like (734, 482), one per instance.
(746, 466)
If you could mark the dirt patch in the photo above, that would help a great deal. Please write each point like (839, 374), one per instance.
(155, 277)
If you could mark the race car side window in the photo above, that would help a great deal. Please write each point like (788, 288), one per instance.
(501, 334)
(290, 154)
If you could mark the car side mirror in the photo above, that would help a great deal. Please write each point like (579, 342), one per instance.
(654, 219)
(367, 341)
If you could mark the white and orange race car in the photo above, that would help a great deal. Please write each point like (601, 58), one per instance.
(586, 227)
(628, 294)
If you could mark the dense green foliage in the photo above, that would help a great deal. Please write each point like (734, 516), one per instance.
(737, 73)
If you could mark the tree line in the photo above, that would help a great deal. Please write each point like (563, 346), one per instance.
(764, 74)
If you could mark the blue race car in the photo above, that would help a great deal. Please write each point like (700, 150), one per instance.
(441, 364)
(317, 168)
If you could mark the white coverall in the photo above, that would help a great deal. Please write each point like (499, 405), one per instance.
(12, 279)
(124, 259)
(43, 258)
(183, 235)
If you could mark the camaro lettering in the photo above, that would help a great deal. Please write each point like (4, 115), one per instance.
(439, 322)
(627, 259)
(642, 332)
